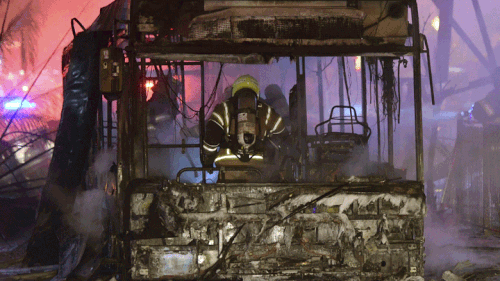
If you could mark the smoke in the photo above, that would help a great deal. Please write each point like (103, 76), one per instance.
(168, 162)
(92, 209)
(89, 211)
(88, 217)
(449, 243)
(103, 161)
(442, 247)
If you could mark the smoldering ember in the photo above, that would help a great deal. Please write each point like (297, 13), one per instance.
(354, 140)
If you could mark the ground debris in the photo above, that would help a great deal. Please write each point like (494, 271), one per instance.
(415, 278)
(29, 273)
(463, 267)
(450, 276)
(483, 274)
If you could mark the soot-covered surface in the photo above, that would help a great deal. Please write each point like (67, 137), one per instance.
(454, 251)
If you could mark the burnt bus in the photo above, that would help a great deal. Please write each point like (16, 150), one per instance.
(343, 208)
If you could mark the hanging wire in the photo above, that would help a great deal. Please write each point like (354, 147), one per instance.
(184, 131)
(345, 81)
(387, 94)
(330, 83)
(160, 74)
(371, 79)
(174, 104)
(347, 92)
(405, 64)
(208, 105)
(380, 18)
(176, 92)
(211, 98)
(323, 69)
(348, 66)
(225, 78)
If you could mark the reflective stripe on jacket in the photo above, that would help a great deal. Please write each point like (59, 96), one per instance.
(218, 131)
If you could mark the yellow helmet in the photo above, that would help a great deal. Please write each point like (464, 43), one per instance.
(246, 82)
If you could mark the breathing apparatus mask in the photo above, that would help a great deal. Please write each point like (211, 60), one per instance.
(246, 123)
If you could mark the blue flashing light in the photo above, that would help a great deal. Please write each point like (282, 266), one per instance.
(18, 103)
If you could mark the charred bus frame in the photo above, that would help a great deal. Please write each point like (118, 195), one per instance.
(132, 135)
(138, 53)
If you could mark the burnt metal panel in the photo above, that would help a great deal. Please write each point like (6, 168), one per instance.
(248, 50)
(157, 259)
(273, 19)
(365, 230)
(279, 23)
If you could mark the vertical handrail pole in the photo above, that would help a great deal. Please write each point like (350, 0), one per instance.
(100, 122)
(303, 107)
(125, 172)
(319, 73)
(143, 117)
(183, 89)
(417, 86)
(341, 93)
(302, 115)
(202, 117)
(364, 95)
(110, 122)
(377, 109)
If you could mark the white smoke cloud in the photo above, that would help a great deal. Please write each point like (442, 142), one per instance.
(92, 208)
(448, 243)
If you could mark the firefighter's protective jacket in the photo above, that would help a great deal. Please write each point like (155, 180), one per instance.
(220, 133)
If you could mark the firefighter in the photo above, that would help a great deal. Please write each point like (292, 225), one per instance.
(163, 110)
(238, 134)
(276, 99)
